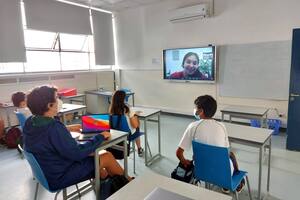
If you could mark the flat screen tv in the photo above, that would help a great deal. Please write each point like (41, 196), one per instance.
(195, 64)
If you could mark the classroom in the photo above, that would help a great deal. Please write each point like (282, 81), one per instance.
(149, 99)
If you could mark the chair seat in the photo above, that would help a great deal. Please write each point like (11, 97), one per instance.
(134, 136)
(237, 177)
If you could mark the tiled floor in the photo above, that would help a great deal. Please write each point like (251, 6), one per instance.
(16, 179)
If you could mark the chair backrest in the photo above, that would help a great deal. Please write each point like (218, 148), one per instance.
(119, 122)
(212, 164)
(21, 117)
(36, 169)
(127, 96)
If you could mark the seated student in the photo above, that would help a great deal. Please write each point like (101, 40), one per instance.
(63, 160)
(2, 134)
(206, 130)
(19, 101)
(118, 107)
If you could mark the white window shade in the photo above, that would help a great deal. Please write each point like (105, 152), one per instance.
(103, 38)
(53, 16)
(11, 32)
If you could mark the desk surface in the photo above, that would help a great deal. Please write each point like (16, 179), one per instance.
(73, 96)
(144, 112)
(67, 107)
(245, 110)
(140, 187)
(104, 92)
(248, 133)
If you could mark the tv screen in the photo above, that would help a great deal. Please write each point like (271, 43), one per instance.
(190, 64)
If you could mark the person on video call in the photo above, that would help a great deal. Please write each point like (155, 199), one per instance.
(190, 65)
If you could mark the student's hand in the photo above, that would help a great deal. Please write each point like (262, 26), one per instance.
(74, 127)
(186, 163)
(106, 134)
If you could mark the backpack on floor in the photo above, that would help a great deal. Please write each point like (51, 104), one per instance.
(112, 185)
(13, 138)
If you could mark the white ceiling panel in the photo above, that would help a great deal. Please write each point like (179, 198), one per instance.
(115, 5)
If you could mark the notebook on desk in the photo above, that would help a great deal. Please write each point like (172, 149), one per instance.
(94, 124)
(159, 193)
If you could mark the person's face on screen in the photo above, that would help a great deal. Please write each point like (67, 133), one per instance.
(190, 65)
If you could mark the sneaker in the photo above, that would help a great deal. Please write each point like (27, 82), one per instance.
(140, 152)
(225, 191)
(241, 186)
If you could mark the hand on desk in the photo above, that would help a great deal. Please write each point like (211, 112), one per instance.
(74, 128)
(106, 134)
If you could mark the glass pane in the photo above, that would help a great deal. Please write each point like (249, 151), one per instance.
(11, 67)
(94, 66)
(72, 42)
(91, 43)
(42, 61)
(74, 61)
(39, 39)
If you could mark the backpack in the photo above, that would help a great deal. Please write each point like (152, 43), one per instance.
(112, 185)
(13, 138)
(185, 174)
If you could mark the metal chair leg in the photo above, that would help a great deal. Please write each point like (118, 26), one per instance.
(248, 185)
(65, 194)
(236, 195)
(79, 194)
(56, 195)
(36, 190)
(133, 146)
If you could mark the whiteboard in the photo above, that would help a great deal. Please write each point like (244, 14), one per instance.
(259, 70)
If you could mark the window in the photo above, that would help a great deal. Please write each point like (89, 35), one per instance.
(49, 51)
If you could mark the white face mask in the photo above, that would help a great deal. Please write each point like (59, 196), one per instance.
(59, 105)
(196, 115)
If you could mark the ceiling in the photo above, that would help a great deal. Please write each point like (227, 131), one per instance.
(115, 5)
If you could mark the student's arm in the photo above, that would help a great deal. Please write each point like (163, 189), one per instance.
(67, 147)
(180, 156)
(134, 120)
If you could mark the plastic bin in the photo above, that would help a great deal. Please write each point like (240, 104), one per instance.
(273, 124)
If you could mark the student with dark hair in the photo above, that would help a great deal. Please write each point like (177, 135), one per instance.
(63, 160)
(190, 65)
(206, 130)
(19, 101)
(119, 107)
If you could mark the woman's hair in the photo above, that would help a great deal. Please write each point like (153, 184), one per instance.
(118, 106)
(188, 55)
(17, 98)
(208, 104)
(39, 98)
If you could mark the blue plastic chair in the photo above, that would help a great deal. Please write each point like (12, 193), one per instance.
(22, 119)
(123, 126)
(126, 90)
(41, 179)
(212, 166)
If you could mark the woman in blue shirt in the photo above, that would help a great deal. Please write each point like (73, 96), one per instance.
(63, 161)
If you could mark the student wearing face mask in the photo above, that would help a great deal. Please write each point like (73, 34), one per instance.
(190, 65)
(206, 130)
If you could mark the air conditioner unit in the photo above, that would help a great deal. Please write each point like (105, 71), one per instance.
(189, 13)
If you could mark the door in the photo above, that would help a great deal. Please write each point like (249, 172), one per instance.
(293, 124)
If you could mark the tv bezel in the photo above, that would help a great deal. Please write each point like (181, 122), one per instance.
(191, 81)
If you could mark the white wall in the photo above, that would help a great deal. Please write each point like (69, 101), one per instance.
(142, 34)
(82, 81)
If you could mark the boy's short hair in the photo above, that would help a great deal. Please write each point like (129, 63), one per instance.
(39, 98)
(17, 98)
(208, 104)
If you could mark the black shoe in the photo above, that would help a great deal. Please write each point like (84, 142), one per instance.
(140, 152)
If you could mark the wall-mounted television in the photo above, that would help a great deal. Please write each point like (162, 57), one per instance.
(195, 64)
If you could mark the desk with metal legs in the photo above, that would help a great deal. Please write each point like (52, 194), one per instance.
(256, 137)
(147, 114)
(246, 112)
(116, 137)
(70, 108)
